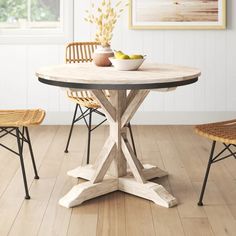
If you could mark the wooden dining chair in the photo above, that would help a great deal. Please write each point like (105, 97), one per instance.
(81, 52)
(16, 123)
(223, 132)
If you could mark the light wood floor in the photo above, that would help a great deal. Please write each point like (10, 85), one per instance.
(175, 148)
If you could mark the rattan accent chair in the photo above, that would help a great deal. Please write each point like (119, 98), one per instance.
(16, 123)
(81, 52)
(223, 132)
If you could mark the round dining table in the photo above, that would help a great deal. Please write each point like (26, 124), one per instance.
(116, 166)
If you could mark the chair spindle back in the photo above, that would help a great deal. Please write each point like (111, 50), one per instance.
(78, 52)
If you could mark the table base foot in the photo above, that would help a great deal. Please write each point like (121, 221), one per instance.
(152, 172)
(83, 172)
(85, 191)
(151, 191)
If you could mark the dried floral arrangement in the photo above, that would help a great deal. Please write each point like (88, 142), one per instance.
(105, 16)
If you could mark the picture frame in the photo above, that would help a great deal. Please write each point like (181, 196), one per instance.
(211, 14)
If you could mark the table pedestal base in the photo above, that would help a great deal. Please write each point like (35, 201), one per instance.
(128, 184)
(115, 156)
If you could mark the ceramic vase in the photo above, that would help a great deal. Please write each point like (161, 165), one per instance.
(101, 56)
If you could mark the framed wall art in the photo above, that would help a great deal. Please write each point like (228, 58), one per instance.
(177, 14)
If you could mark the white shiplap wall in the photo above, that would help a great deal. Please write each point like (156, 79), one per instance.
(214, 52)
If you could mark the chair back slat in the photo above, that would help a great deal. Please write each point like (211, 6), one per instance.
(86, 52)
(73, 55)
(77, 52)
(90, 48)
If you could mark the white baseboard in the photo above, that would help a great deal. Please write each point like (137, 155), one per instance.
(151, 118)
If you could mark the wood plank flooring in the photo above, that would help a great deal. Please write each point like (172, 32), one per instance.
(175, 148)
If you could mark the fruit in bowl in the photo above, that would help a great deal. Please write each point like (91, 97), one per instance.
(122, 61)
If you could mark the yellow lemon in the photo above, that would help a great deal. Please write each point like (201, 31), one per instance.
(124, 57)
(136, 57)
(118, 54)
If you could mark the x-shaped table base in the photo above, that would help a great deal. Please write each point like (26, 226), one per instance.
(110, 172)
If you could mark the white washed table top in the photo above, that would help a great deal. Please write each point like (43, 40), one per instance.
(90, 74)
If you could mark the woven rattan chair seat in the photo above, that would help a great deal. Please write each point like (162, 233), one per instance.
(85, 98)
(224, 132)
(18, 118)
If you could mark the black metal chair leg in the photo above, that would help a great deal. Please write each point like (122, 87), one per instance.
(132, 138)
(31, 154)
(89, 134)
(200, 203)
(27, 196)
(71, 128)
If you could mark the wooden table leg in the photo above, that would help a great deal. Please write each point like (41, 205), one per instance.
(115, 155)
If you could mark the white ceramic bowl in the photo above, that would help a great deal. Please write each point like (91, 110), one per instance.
(126, 64)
